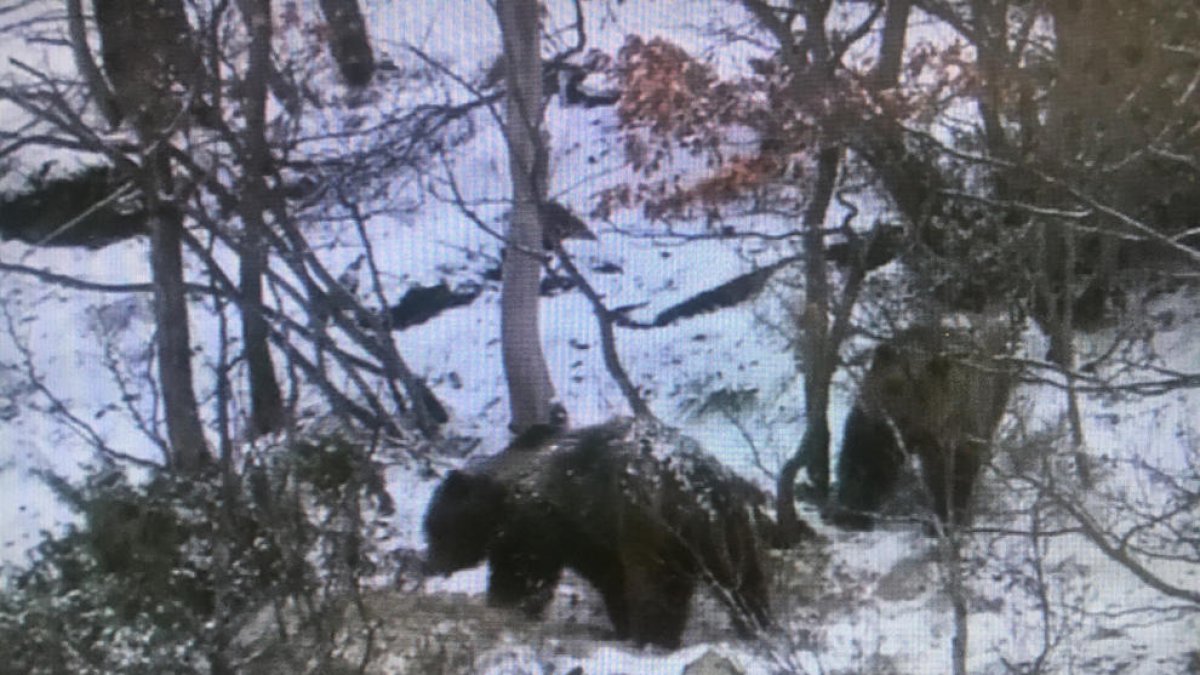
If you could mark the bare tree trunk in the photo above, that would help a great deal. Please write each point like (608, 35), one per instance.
(266, 402)
(819, 355)
(189, 451)
(147, 50)
(348, 41)
(101, 93)
(891, 48)
(530, 388)
(1082, 127)
(809, 60)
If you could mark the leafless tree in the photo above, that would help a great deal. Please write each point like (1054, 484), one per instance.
(273, 187)
(530, 388)
(266, 402)
(811, 61)
(146, 85)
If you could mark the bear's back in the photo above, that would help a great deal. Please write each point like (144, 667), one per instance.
(939, 382)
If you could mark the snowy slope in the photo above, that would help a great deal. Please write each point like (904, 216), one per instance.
(875, 605)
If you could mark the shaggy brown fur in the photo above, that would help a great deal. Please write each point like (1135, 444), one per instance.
(642, 524)
(941, 395)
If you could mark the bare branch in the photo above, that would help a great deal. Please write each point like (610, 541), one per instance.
(61, 409)
(608, 341)
(1111, 546)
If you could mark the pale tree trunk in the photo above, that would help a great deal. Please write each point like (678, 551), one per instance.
(266, 402)
(529, 386)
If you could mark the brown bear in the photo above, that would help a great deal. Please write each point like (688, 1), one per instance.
(640, 512)
(932, 392)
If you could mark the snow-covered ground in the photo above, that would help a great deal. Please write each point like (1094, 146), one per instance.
(865, 602)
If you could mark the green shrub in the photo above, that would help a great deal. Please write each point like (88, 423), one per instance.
(163, 575)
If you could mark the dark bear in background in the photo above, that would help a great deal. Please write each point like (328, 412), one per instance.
(640, 512)
(942, 393)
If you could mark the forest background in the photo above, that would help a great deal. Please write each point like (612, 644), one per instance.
(256, 298)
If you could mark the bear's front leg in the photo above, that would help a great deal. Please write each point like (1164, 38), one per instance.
(522, 577)
(658, 598)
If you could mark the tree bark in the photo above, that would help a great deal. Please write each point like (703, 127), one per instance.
(266, 401)
(101, 93)
(189, 450)
(810, 61)
(348, 41)
(891, 47)
(819, 354)
(530, 388)
(144, 80)
(1084, 130)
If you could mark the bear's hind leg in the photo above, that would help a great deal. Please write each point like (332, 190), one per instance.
(950, 478)
(742, 583)
(868, 467)
(967, 466)
(616, 607)
(753, 599)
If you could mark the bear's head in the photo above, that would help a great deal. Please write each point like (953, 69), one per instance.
(463, 517)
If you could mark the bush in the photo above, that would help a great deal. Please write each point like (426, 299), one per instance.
(165, 575)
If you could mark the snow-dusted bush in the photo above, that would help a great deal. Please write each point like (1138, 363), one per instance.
(170, 575)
